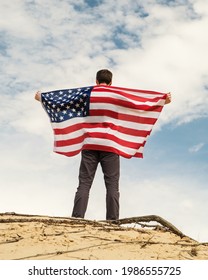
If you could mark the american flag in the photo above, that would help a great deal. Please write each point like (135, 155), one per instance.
(106, 118)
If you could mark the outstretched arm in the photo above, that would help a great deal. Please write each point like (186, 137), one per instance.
(38, 96)
(168, 99)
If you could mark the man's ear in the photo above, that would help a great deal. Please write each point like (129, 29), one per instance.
(97, 83)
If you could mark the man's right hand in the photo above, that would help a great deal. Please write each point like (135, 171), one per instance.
(168, 99)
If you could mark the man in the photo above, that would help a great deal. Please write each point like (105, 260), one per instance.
(110, 165)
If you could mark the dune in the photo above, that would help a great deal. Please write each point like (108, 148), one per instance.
(33, 237)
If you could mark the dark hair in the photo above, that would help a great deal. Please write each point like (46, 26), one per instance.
(104, 76)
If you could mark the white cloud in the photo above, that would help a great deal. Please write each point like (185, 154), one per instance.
(196, 148)
(163, 51)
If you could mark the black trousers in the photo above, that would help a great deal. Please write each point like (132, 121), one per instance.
(110, 164)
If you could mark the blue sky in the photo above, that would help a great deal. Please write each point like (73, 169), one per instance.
(157, 45)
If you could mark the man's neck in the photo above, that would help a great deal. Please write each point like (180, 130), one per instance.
(102, 84)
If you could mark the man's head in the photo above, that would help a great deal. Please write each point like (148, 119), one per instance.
(104, 76)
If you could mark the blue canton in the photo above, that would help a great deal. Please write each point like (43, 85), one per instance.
(62, 105)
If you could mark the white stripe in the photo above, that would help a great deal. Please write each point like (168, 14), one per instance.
(102, 142)
(140, 150)
(124, 110)
(127, 99)
(101, 119)
(137, 94)
(108, 131)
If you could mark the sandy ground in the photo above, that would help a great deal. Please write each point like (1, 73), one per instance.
(24, 237)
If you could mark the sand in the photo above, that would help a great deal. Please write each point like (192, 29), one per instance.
(28, 237)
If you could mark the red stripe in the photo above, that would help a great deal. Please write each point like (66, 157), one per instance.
(139, 155)
(100, 148)
(126, 104)
(69, 154)
(123, 117)
(132, 96)
(125, 130)
(99, 135)
(113, 88)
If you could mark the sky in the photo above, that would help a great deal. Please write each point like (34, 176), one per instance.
(156, 45)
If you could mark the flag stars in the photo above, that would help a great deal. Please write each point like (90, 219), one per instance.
(65, 104)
